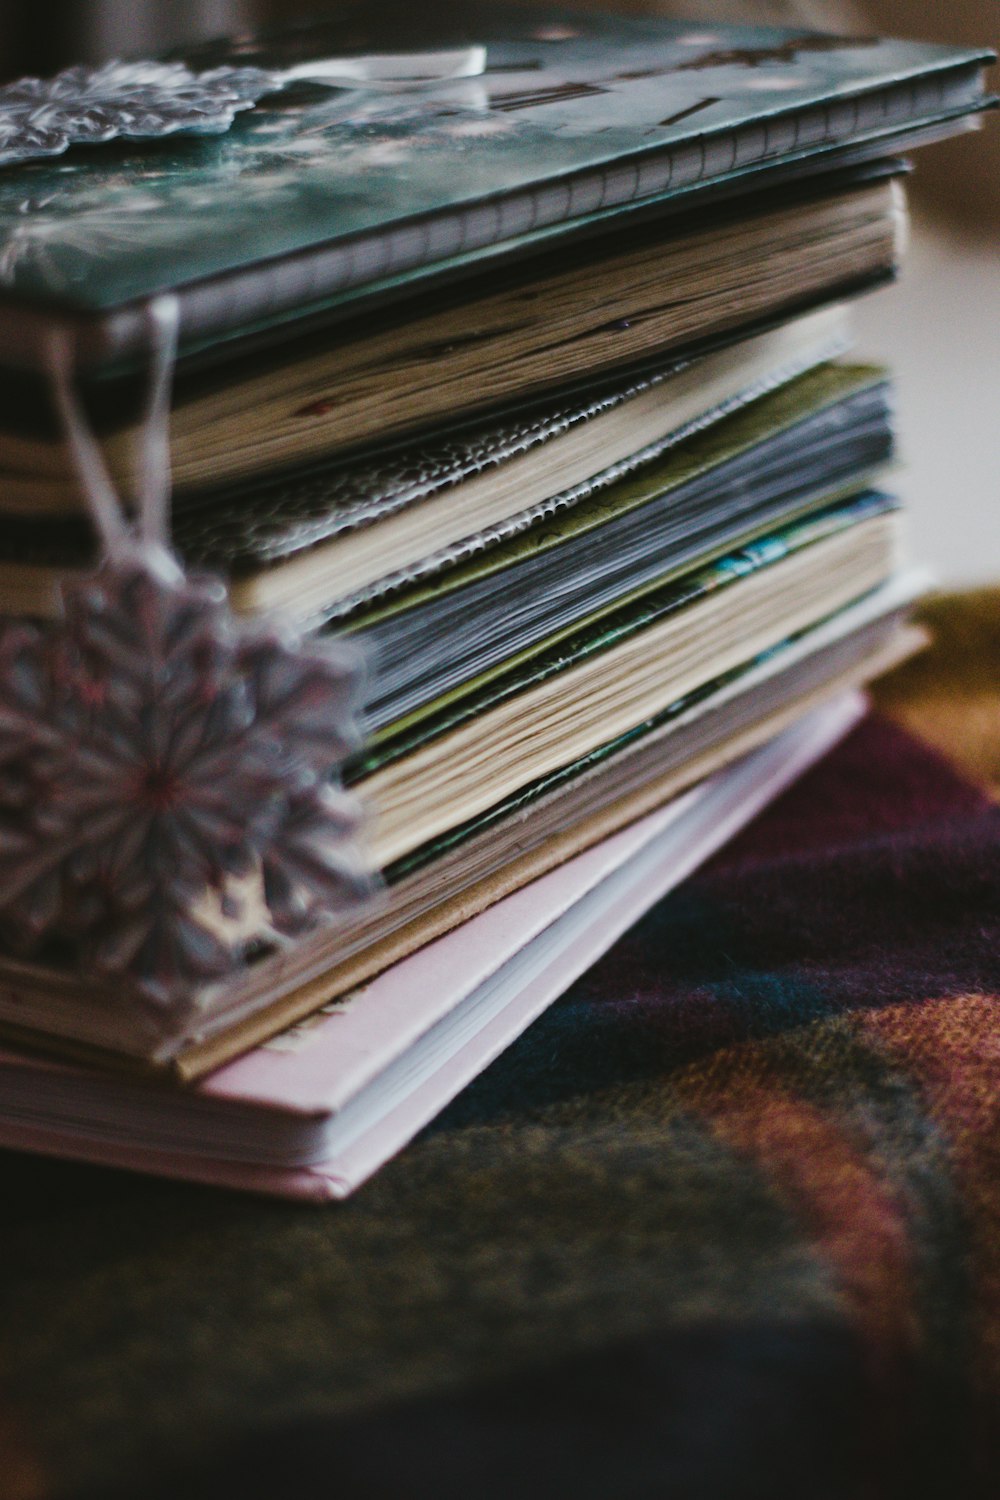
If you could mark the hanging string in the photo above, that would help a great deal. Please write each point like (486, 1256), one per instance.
(103, 501)
(154, 455)
(98, 489)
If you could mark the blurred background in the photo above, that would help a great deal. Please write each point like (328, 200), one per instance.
(938, 326)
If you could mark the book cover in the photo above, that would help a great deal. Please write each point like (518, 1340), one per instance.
(575, 115)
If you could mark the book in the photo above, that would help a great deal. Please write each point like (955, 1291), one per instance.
(557, 651)
(315, 1111)
(590, 550)
(435, 501)
(820, 438)
(440, 886)
(666, 291)
(315, 198)
(605, 679)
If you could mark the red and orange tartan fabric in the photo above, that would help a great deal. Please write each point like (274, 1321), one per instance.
(725, 1223)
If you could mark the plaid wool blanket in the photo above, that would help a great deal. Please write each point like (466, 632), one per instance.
(724, 1223)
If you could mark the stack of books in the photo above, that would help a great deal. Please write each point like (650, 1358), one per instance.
(537, 386)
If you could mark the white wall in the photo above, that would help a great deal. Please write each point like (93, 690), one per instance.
(937, 329)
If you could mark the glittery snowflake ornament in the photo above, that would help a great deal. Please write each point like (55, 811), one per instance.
(163, 765)
(83, 106)
(169, 776)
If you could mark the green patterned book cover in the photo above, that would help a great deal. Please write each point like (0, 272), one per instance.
(317, 193)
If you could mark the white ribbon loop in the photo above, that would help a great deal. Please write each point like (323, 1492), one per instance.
(104, 504)
(153, 499)
(390, 70)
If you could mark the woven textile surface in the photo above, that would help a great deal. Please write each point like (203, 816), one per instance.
(724, 1223)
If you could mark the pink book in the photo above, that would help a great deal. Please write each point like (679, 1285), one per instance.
(315, 1111)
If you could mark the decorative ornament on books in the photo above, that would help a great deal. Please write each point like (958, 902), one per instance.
(82, 106)
(169, 775)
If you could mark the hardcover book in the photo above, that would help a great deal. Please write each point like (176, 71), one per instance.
(317, 196)
(665, 292)
(397, 515)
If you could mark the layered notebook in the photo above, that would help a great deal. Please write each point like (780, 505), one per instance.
(526, 402)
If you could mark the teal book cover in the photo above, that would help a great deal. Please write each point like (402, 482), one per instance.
(575, 115)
